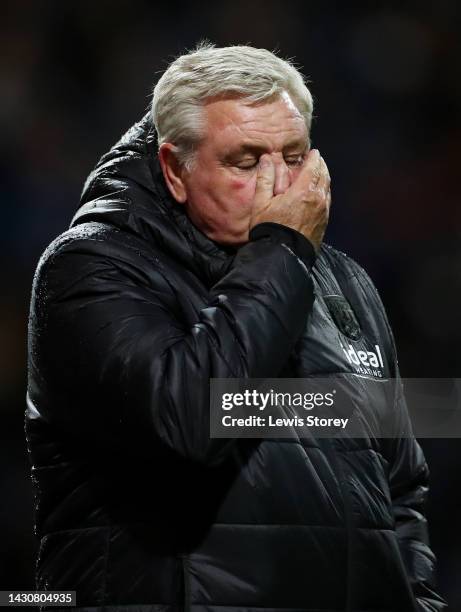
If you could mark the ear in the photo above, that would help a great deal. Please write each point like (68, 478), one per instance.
(172, 171)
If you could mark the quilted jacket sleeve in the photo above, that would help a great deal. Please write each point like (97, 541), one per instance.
(409, 486)
(114, 358)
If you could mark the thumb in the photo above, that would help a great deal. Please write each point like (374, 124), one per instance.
(264, 180)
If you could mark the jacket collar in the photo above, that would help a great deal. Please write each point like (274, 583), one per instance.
(127, 189)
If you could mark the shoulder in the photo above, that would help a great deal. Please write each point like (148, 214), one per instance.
(92, 248)
(342, 263)
(93, 237)
(88, 239)
(348, 272)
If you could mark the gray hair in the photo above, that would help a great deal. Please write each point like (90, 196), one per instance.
(208, 71)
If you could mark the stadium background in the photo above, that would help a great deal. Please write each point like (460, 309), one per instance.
(387, 87)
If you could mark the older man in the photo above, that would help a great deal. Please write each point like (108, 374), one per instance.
(197, 253)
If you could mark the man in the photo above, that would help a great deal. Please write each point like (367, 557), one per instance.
(197, 253)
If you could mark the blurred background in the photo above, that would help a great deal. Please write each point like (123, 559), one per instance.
(386, 81)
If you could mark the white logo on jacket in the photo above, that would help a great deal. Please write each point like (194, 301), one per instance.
(365, 362)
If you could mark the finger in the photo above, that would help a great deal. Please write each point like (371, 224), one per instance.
(264, 180)
(316, 173)
(328, 202)
(282, 181)
(324, 179)
(310, 172)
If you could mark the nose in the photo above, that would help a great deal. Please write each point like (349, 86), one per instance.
(282, 176)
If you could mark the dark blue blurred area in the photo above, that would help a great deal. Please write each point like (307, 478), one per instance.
(386, 83)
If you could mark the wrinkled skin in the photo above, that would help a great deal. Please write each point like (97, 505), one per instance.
(253, 165)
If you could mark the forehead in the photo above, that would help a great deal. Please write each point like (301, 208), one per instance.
(231, 123)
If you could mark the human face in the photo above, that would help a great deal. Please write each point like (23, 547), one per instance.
(220, 188)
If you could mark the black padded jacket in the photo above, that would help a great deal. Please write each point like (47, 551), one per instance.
(138, 509)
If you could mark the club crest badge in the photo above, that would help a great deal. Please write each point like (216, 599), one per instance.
(343, 316)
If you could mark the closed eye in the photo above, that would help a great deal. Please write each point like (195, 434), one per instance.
(247, 165)
(251, 164)
(295, 161)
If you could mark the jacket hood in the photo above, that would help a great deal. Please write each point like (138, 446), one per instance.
(127, 190)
